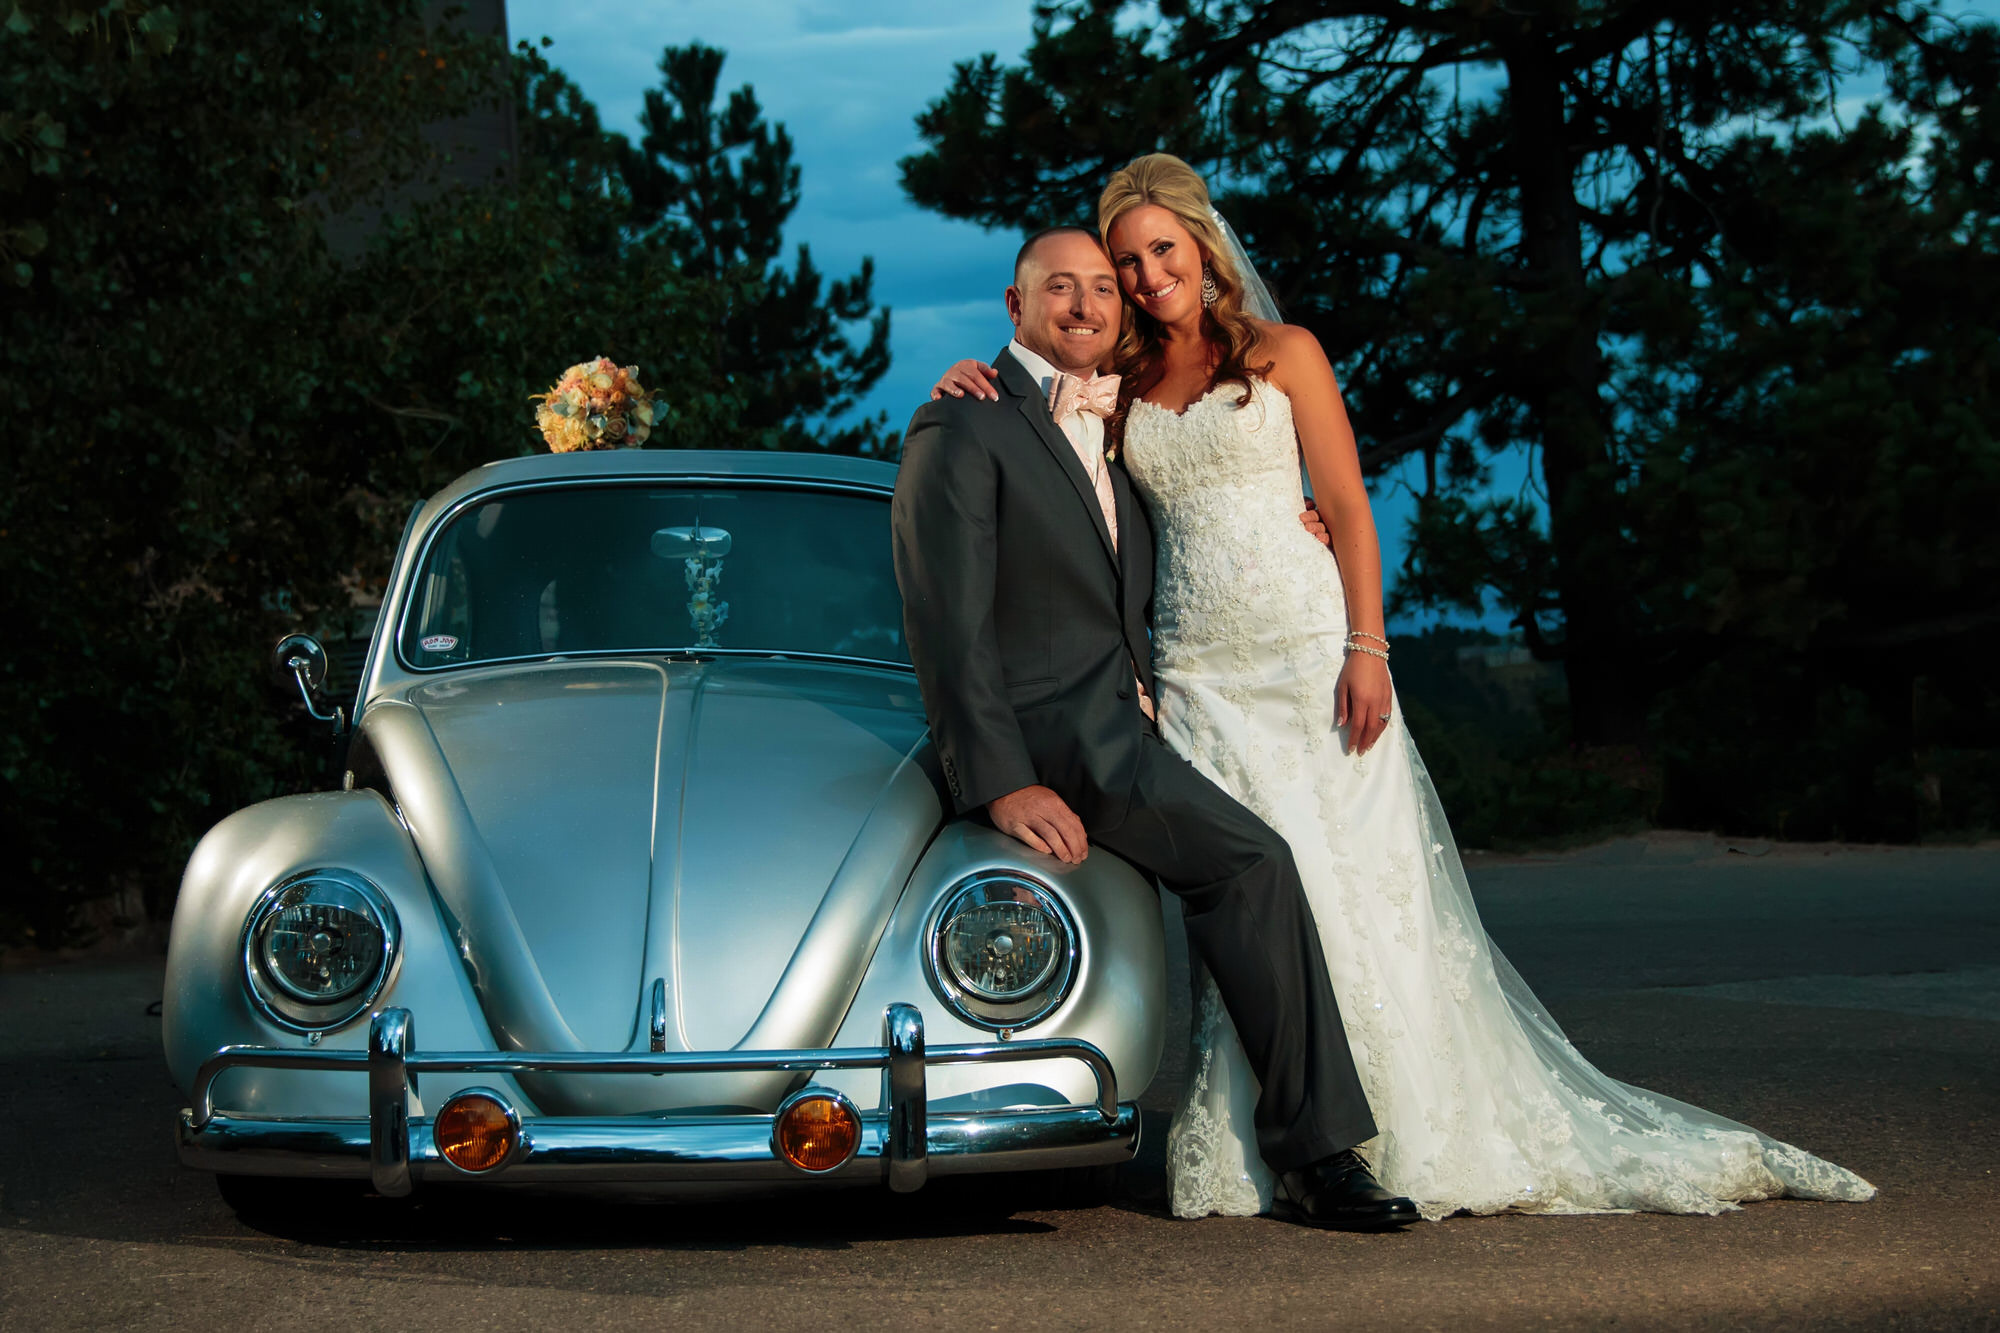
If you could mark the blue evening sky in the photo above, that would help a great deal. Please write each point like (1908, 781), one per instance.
(847, 79)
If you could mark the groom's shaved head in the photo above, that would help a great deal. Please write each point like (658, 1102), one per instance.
(1027, 249)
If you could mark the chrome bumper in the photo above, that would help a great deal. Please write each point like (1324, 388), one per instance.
(902, 1144)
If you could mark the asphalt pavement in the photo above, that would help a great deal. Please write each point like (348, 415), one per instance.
(1844, 999)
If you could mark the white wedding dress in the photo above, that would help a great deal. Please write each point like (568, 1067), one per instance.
(1481, 1101)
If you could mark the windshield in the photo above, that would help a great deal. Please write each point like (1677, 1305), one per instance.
(650, 569)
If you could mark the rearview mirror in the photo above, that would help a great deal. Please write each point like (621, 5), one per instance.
(702, 550)
(680, 543)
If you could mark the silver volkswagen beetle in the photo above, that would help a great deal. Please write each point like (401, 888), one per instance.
(639, 872)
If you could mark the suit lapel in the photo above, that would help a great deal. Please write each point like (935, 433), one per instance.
(1014, 378)
(1135, 544)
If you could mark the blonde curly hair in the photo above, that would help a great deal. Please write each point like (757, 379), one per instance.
(1164, 180)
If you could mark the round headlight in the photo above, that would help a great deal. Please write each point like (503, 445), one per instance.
(1003, 950)
(321, 942)
(317, 948)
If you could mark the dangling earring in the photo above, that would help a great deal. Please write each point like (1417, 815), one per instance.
(1209, 291)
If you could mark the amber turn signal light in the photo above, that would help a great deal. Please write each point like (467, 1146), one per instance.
(817, 1131)
(476, 1131)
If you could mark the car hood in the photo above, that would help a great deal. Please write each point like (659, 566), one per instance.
(737, 831)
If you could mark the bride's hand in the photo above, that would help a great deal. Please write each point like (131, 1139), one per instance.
(1365, 694)
(968, 377)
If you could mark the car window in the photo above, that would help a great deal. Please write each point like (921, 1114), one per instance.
(593, 569)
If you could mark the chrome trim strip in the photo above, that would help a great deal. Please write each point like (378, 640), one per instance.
(906, 1097)
(369, 661)
(656, 1022)
(390, 1083)
(671, 655)
(704, 1149)
(405, 604)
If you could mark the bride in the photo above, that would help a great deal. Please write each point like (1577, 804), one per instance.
(1274, 682)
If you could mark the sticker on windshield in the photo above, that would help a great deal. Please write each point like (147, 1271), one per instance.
(438, 643)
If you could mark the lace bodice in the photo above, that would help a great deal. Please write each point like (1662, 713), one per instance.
(1219, 441)
(1221, 482)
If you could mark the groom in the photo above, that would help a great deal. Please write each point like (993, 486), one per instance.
(1026, 569)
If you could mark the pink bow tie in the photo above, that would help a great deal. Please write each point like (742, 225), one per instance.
(1071, 394)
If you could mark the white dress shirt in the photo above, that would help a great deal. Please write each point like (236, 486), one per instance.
(1085, 432)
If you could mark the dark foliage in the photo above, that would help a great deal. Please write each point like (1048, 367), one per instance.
(1493, 730)
(219, 419)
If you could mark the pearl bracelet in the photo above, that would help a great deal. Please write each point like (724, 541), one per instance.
(1364, 634)
(1354, 647)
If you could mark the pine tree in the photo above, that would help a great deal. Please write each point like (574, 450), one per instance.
(718, 183)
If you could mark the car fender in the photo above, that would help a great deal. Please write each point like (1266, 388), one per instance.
(1117, 1001)
(206, 1004)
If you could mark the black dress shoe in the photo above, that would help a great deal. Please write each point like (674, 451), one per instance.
(1340, 1194)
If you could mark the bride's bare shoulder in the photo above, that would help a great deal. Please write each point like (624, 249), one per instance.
(1286, 338)
(1294, 353)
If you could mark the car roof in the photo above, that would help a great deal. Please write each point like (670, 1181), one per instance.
(645, 464)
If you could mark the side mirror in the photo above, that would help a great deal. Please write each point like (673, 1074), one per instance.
(299, 660)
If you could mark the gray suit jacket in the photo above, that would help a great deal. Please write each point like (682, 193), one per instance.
(1025, 623)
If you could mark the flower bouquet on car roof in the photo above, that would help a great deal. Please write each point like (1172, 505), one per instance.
(595, 405)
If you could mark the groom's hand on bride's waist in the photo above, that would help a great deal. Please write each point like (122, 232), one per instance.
(1043, 820)
(1316, 525)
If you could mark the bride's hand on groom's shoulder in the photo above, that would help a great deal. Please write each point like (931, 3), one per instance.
(973, 377)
